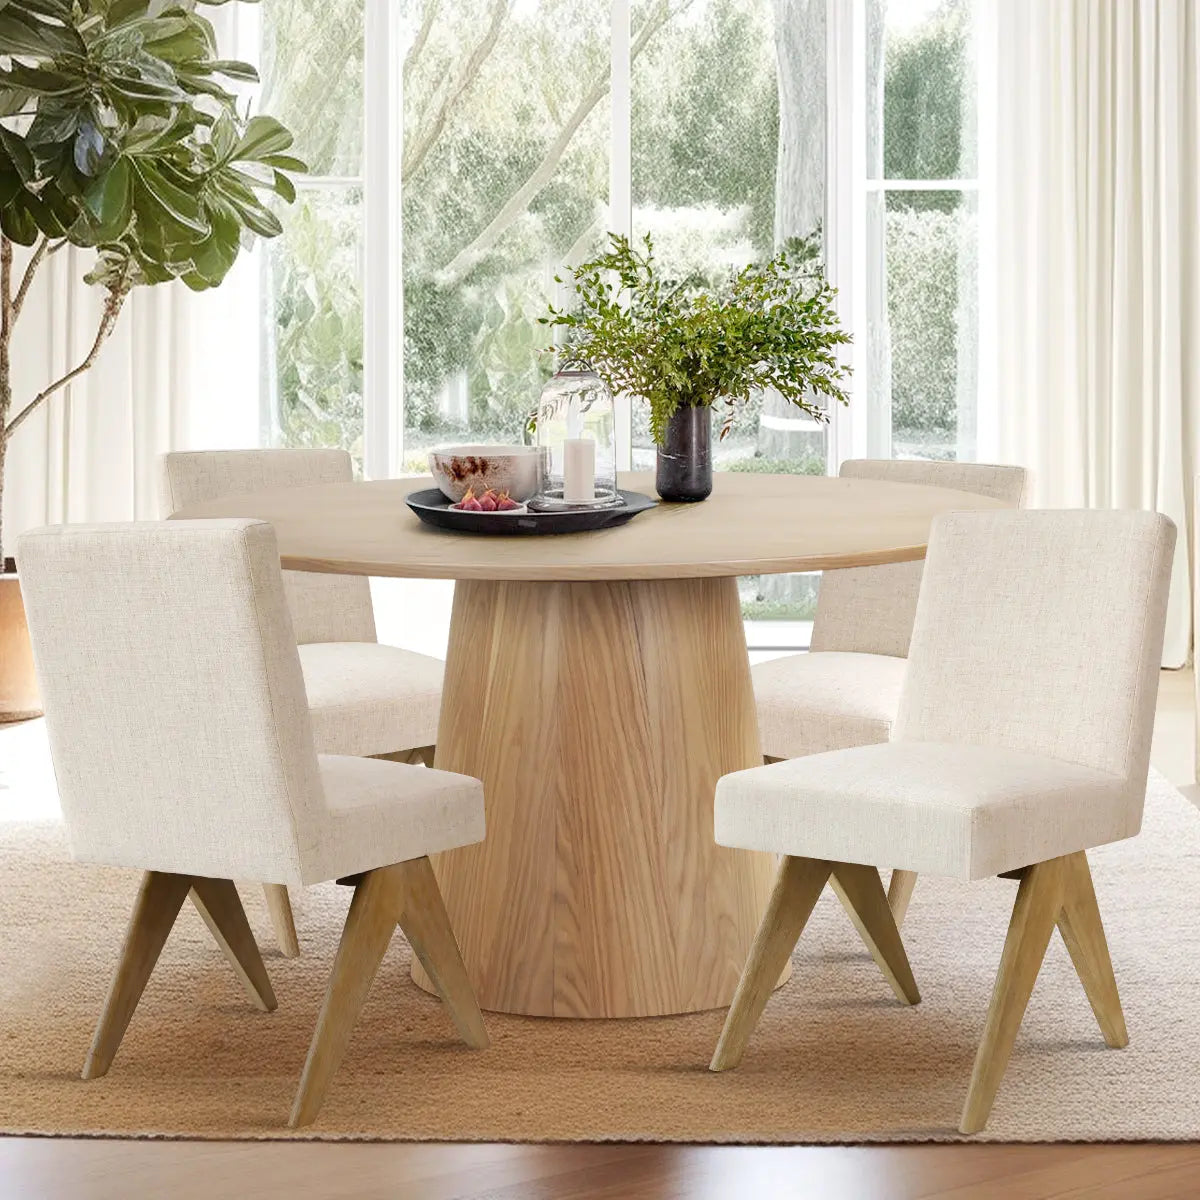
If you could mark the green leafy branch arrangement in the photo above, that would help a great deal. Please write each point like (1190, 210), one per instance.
(119, 135)
(686, 343)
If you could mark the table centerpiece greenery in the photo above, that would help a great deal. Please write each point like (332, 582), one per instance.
(689, 346)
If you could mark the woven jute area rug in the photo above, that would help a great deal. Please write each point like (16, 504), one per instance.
(835, 1058)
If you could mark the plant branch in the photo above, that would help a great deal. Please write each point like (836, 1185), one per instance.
(112, 310)
(418, 44)
(35, 261)
(6, 304)
(517, 203)
(425, 141)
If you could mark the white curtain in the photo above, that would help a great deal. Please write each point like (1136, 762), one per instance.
(180, 371)
(1093, 321)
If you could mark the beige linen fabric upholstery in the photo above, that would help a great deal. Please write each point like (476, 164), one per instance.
(365, 698)
(845, 691)
(870, 610)
(1024, 725)
(325, 608)
(178, 719)
(808, 703)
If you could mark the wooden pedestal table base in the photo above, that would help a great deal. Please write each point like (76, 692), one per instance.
(599, 717)
(599, 686)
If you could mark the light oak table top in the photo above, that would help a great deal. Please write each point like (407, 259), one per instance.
(751, 525)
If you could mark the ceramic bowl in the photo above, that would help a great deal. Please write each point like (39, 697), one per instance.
(512, 469)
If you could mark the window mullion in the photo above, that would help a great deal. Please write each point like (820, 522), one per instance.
(620, 179)
(383, 293)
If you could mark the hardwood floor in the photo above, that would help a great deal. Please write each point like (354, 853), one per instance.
(116, 1170)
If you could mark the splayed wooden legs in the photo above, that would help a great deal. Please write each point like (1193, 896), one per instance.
(404, 894)
(280, 908)
(158, 903)
(797, 888)
(217, 902)
(900, 890)
(1058, 891)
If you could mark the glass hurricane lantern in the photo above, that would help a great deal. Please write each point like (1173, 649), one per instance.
(575, 409)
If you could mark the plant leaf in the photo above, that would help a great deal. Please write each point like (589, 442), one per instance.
(263, 135)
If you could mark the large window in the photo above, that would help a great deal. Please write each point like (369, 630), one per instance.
(312, 69)
(921, 244)
(503, 138)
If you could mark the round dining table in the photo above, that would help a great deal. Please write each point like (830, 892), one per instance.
(599, 685)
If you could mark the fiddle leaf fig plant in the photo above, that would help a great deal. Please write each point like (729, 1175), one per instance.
(119, 134)
(689, 342)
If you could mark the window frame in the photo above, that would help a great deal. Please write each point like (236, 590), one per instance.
(857, 430)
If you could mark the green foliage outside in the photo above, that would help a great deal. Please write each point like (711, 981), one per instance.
(495, 201)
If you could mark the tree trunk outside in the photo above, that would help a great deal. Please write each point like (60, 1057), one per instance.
(799, 184)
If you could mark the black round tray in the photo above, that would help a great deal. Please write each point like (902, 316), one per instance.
(434, 509)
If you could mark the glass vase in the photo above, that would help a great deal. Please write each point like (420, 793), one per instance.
(577, 432)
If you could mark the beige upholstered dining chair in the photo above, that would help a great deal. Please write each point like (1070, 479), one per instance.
(1022, 740)
(364, 698)
(182, 745)
(844, 692)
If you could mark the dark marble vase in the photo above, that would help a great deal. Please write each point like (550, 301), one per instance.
(685, 458)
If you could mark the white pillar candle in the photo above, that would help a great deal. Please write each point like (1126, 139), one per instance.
(579, 470)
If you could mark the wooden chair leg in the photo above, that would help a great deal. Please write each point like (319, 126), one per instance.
(1082, 931)
(158, 902)
(797, 889)
(374, 913)
(427, 928)
(900, 890)
(218, 903)
(280, 908)
(861, 892)
(1035, 913)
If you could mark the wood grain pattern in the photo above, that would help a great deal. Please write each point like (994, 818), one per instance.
(599, 717)
(752, 524)
(1039, 901)
(117, 1169)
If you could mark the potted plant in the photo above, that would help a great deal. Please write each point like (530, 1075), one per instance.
(688, 347)
(117, 134)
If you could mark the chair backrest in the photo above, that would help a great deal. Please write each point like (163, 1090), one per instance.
(1042, 631)
(870, 610)
(325, 608)
(174, 699)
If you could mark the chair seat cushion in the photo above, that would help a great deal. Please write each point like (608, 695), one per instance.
(940, 809)
(365, 698)
(378, 813)
(826, 700)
